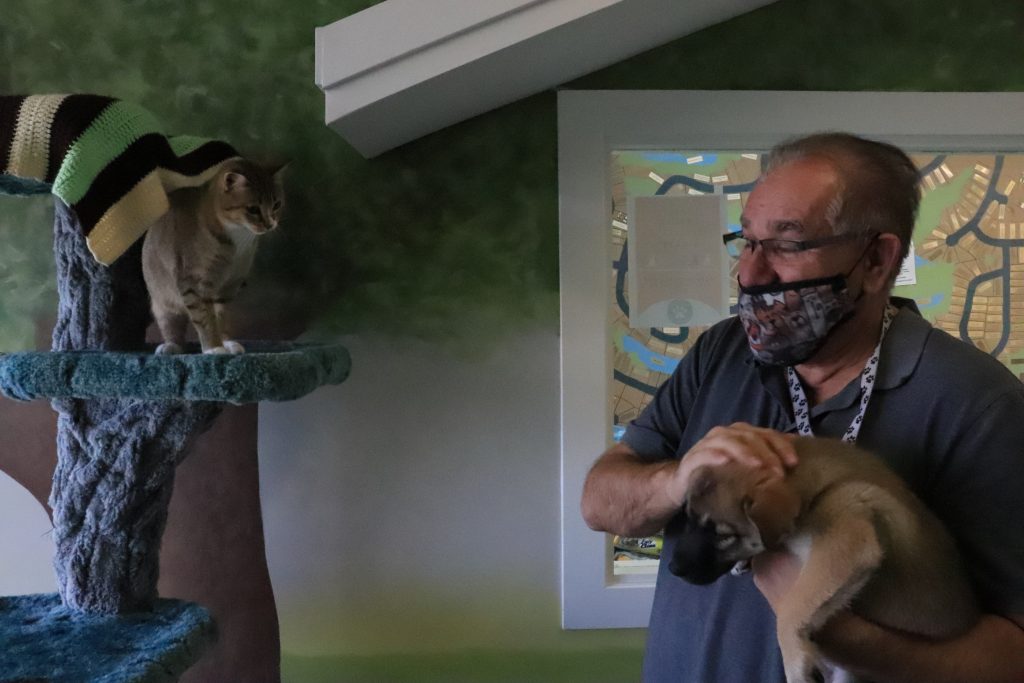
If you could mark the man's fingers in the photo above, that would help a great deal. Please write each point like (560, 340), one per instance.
(752, 446)
(770, 444)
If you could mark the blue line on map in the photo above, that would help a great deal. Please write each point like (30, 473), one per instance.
(972, 287)
(933, 302)
(700, 185)
(677, 158)
(931, 166)
(1004, 338)
(620, 267)
(973, 227)
(655, 362)
(635, 383)
(683, 335)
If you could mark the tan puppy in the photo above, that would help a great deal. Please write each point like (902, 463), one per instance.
(865, 540)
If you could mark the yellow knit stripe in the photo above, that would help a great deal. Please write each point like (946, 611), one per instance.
(30, 147)
(128, 219)
(175, 181)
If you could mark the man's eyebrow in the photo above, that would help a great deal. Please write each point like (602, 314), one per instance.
(779, 227)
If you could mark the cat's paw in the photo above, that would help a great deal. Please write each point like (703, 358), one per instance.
(233, 347)
(216, 350)
(168, 349)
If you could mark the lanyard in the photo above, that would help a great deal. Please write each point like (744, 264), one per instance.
(801, 409)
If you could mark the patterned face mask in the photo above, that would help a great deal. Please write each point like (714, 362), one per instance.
(786, 323)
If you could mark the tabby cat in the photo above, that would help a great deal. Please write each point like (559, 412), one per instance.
(197, 256)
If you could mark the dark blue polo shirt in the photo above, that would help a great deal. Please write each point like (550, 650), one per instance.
(946, 416)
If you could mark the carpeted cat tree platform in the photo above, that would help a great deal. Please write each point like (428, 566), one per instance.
(126, 418)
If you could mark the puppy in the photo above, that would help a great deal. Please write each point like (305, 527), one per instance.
(866, 543)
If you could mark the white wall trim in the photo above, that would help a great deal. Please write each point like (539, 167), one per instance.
(404, 68)
(591, 124)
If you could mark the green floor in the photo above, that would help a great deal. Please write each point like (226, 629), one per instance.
(605, 666)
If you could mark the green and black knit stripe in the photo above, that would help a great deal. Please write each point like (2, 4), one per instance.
(105, 158)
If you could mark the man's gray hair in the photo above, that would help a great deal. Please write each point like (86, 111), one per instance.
(878, 182)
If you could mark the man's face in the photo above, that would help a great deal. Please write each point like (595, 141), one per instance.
(790, 203)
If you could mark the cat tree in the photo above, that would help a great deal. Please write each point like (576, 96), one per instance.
(126, 418)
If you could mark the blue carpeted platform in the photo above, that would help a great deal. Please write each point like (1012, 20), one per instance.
(268, 371)
(40, 640)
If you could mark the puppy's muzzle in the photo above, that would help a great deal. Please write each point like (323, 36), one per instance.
(694, 555)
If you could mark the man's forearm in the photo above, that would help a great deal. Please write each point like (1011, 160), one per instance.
(624, 495)
(991, 652)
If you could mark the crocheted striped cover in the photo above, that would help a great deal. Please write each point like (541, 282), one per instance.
(107, 159)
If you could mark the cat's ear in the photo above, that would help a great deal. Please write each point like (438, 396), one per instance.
(231, 180)
(276, 169)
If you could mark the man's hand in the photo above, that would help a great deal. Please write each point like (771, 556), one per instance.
(626, 494)
(740, 442)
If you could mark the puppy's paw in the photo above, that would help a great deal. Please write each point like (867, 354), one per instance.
(168, 349)
(806, 671)
(811, 675)
(233, 347)
(802, 662)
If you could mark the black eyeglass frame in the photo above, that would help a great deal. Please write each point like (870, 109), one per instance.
(795, 246)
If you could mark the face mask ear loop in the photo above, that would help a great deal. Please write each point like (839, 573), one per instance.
(846, 278)
(874, 237)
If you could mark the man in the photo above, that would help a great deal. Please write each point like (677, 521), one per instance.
(827, 224)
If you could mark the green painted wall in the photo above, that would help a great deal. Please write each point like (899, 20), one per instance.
(453, 236)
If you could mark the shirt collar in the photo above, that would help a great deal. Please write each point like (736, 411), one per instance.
(903, 345)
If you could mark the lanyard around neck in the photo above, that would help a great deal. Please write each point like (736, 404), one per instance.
(801, 407)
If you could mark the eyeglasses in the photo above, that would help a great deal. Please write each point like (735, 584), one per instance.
(736, 244)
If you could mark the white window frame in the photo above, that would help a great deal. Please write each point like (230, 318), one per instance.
(591, 124)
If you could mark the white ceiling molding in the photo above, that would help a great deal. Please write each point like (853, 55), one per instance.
(404, 68)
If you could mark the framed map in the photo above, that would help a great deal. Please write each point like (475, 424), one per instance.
(966, 272)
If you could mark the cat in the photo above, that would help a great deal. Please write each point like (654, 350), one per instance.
(196, 257)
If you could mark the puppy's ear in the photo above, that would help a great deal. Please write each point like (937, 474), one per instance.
(702, 483)
(772, 507)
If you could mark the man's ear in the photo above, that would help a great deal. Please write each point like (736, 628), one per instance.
(772, 507)
(883, 262)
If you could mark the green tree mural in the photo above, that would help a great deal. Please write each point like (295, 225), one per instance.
(449, 238)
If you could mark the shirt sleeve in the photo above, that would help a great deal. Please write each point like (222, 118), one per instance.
(657, 432)
(980, 495)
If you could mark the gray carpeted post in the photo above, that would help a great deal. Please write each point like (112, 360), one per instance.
(115, 457)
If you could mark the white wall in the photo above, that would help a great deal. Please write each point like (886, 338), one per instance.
(422, 492)
(26, 548)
